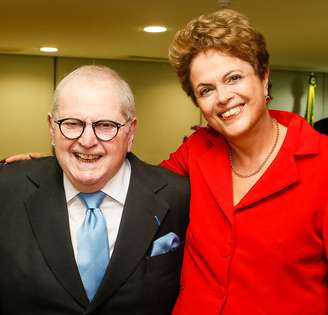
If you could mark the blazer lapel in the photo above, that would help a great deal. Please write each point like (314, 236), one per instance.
(137, 229)
(47, 212)
(283, 172)
(215, 168)
(280, 174)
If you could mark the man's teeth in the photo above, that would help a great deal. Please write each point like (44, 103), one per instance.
(87, 157)
(231, 112)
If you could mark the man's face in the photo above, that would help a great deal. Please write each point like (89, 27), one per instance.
(87, 161)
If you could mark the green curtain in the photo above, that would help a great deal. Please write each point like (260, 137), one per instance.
(309, 113)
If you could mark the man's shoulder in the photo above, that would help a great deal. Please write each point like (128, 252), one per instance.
(155, 170)
(19, 169)
(159, 179)
(172, 176)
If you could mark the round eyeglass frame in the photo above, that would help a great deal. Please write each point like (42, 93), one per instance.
(93, 124)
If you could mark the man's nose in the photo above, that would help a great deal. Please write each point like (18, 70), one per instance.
(88, 138)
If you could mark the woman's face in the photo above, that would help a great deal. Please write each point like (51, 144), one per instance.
(228, 91)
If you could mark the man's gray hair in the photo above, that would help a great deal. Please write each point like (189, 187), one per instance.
(99, 72)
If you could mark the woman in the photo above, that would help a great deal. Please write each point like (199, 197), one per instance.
(257, 238)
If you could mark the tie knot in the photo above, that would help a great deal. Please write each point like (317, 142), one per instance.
(92, 200)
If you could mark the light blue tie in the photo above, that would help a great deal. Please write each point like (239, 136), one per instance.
(92, 246)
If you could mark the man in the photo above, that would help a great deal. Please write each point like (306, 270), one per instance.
(60, 254)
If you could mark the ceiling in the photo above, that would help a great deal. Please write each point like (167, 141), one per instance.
(296, 30)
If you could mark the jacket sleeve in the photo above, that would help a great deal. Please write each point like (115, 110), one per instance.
(178, 161)
(325, 228)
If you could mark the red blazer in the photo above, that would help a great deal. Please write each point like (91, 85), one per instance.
(268, 254)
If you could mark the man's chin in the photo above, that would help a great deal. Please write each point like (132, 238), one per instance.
(87, 183)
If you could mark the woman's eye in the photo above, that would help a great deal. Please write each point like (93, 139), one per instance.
(204, 91)
(234, 78)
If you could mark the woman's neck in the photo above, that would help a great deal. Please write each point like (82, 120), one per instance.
(251, 157)
(250, 150)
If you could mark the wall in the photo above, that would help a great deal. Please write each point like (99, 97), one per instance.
(26, 84)
(290, 92)
(165, 114)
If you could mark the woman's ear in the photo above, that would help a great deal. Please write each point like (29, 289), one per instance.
(266, 82)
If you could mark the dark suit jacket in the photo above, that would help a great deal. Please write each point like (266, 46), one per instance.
(322, 125)
(38, 272)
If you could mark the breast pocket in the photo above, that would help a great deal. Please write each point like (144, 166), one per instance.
(165, 263)
(162, 281)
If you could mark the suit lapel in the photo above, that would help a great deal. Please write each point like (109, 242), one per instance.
(281, 174)
(47, 212)
(137, 229)
(215, 168)
(301, 142)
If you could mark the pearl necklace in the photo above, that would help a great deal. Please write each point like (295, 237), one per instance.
(265, 160)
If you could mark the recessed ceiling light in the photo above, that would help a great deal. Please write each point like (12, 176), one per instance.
(155, 29)
(48, 49)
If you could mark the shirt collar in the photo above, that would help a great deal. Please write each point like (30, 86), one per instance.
(116, 187)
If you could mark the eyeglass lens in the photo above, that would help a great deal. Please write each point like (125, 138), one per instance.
(104, 129)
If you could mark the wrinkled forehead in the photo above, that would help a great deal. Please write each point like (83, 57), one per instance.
(87, 82)
(86, 97)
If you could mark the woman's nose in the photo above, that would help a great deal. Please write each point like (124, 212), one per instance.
(224, 95)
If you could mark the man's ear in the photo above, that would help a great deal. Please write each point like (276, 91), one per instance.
(132, 130)
(51, 128)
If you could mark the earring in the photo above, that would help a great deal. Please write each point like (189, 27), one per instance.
(267, 99)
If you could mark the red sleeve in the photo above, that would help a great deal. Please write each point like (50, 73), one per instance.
(178, 161)
(325, 228)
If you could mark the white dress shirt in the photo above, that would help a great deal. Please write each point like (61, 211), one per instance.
(112, 206)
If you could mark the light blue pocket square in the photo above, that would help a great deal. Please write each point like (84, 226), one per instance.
(167, 243)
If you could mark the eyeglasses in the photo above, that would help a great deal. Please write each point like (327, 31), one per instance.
(104, 130)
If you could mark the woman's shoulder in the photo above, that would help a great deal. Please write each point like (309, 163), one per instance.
(204, 137)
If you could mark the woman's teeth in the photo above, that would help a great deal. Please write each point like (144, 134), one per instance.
(231, 112)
